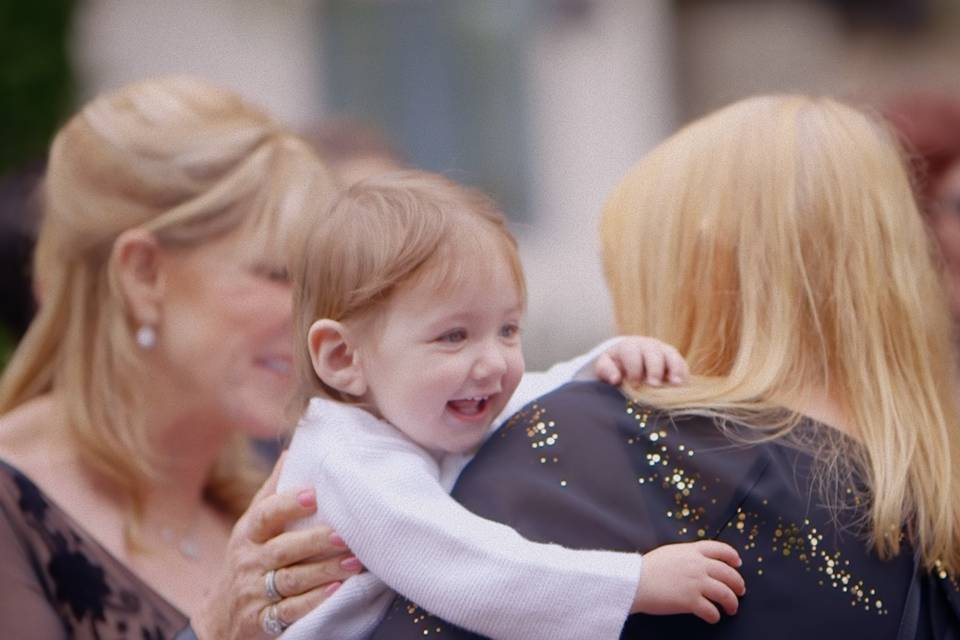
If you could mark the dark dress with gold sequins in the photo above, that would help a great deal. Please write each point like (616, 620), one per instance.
(586, 468)
(56, 581)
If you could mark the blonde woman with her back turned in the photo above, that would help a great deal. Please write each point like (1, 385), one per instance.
(776, 243)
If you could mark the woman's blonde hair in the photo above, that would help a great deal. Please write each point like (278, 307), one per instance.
(777, 244)
(187, 162)
(383, 233)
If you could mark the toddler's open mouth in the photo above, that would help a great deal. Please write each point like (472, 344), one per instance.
(469, 407)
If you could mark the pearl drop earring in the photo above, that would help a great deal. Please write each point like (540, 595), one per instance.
(146, 337)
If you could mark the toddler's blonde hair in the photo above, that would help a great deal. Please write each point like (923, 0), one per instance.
(387, 232)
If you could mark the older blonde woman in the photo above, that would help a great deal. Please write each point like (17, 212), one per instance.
(776, 243)
(161, 345)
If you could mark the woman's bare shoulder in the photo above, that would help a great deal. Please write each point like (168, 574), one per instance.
(33, 438)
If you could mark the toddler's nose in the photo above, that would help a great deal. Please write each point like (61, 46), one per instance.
(491, 363)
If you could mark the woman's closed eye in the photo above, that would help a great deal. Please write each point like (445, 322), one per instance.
(271, 272)
(453, 336)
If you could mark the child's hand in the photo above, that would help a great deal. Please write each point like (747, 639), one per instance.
(693, 577)
(639, 360)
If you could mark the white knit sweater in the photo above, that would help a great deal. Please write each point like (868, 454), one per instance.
(388, 499)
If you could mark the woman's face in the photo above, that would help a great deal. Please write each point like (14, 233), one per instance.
(945, 220)
(225, 335)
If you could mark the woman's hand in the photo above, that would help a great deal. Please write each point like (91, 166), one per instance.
(310, 565)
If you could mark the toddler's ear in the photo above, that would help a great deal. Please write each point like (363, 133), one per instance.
(335, 358)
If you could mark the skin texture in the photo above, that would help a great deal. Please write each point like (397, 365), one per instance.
(431, 352)
(225, 333)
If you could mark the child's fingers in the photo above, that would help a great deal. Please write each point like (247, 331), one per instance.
(631, 364)
(654, 364)
(676, 366)
(719, 551)
(706, 611)
(607, 370)
(722, 595)
(727, 575)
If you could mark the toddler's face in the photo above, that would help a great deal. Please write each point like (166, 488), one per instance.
(443, 366)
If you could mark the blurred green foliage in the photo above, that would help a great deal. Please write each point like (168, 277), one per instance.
(7, 344)
(35, 76)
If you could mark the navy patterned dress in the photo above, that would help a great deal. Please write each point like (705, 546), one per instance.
(587, 468)
(57, 582)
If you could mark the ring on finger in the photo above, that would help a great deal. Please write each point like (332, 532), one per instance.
(270, 586)
(273, 624)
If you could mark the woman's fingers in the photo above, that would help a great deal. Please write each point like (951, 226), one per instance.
(291, 609)
(319, 543)
(272, 514)
(308, 576)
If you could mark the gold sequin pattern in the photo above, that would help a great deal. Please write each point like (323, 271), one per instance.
(665, 469)
(541, 432)
(666, 461)
(803, 543)
(941, 572)
(427, 622)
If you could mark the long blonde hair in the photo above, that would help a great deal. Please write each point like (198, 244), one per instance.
(188, 162)
(777, 244)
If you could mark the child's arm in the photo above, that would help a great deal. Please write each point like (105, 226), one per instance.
(381, 493)
(634, 359)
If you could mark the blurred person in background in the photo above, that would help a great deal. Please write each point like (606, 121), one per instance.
(928, 124)
(19, 218)
(353, 149)
(161, 345)
(777, 244)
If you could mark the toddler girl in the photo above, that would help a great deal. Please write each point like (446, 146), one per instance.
(409, 298)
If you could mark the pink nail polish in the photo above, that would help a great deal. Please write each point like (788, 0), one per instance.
(333, 586)
(307, 498)
(350, 564)
(337, 541)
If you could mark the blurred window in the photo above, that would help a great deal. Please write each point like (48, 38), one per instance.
(444, 79)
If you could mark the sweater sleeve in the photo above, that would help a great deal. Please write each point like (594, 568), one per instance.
(381, 493)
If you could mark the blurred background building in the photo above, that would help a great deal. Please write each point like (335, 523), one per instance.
(542, 103)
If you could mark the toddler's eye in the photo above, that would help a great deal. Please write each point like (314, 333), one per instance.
(454, 336)
(510, 330)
